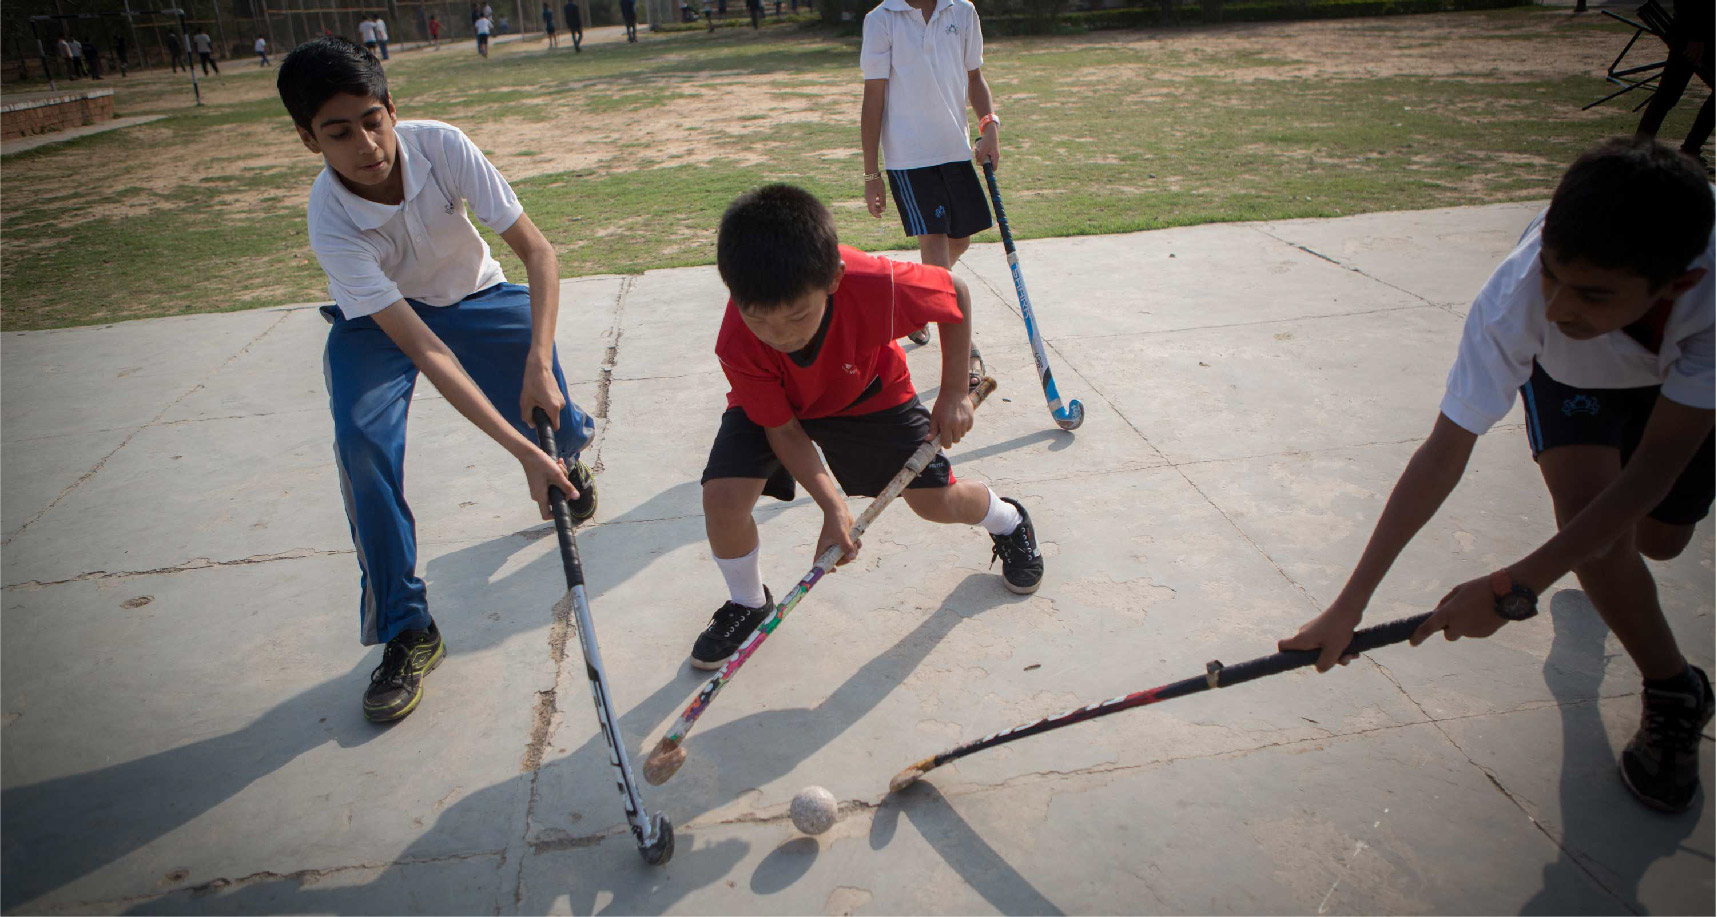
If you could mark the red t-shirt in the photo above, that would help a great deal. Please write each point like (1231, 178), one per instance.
(859, 367)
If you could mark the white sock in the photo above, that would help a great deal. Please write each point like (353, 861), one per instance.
(1002, 518)
(744, 578)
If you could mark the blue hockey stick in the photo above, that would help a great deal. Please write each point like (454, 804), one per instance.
(1073, 414)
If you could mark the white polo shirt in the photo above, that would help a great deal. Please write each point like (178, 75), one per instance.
(366, 31)
(425, 248)
(381, 30)
(926, 65)
(483, 25)
(1507, 328)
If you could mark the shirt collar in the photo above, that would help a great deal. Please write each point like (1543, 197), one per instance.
(903, 6)
(369, 215)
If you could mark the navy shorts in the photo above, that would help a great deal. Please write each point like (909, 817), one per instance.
(863, 452)
(940, 200)
(1562, 415)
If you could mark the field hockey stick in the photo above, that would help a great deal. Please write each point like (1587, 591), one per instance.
(1216, 675)
(1071, 416)
(655, 837)
(665, 759)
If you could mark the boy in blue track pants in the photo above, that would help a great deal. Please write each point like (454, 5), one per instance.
(416, 290)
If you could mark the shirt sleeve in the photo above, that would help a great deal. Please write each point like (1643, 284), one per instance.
(480, 183)
(921, 294)
(757, 389)
(356, 282)
(1690, 381)
(875, 55)
(1498, 345)
(974, 43)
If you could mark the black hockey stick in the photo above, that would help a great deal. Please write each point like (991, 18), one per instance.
(1071, 416)
(655, 837)
(1216, 675)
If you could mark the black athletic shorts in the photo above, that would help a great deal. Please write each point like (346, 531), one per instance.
(944, 199)
(864, 452)
(1562, 415)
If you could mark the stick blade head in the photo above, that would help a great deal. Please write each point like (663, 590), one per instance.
(664, 762)
(1075, 416)
(910, 775)
(662, 850)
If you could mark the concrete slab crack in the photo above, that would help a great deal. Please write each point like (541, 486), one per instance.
(69, 488)
(1371, 277)
(195, 563)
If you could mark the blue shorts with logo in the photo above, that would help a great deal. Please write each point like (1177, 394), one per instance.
(943, 200)
(1562, 415)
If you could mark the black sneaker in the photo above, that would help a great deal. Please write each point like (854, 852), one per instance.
(920, 337)
(727, 629)
(397, 684)
(1022, 563)
(1661, 764)
(584, 507)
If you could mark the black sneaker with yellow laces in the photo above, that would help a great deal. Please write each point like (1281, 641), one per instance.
(396, 685)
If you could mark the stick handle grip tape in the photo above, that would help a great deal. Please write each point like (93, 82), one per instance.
(996, 202)
(1364, 641)
(557, 505)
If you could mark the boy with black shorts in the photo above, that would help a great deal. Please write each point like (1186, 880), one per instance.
(809, 348)
(922, 63)
(416, 290)
(1606, 330)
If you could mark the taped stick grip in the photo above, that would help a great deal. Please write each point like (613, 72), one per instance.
(1364, 641)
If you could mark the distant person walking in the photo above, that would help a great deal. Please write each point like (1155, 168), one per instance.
(77, 57)
(261, 48)
(367, 35)
(755, 8)
(175, 50)
(629, 15)
(483, 27)
(92, 58)
(65, 52)
(434, 34)
(574, 24)
(548, 24)
(205, 51)
(382, 35)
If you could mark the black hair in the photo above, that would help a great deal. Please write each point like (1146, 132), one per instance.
(776, 243)
(323, 68)
(1632, 204)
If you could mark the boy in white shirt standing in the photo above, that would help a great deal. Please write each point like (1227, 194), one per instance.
(483, 26)
(417, 291)
(367, 34)
(922, 63)
(1602, 318)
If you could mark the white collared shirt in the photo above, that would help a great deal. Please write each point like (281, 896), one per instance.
(1507, 329)
(366, 31)
(927, 66)
(425, 248)
(381, 30)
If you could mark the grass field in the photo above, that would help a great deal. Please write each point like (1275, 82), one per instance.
(626, 154)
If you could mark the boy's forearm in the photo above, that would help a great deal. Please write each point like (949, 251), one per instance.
(542, 272)
(799, 455)
(1673, 434)
(870, 121)
(956, 341)
(1427, 481)
(978, 92)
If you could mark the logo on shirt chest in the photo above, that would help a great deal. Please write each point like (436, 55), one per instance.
(953, 29)
(851, 369)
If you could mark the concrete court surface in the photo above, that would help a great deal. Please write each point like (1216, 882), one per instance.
(181, 668)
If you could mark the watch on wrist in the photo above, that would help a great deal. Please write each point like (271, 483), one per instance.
(1514, 602)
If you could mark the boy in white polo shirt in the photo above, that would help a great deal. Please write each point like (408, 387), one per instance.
(922, 63)
(1602, 318)
(416, 290)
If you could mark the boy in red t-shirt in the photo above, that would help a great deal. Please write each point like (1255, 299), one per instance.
(808, 346)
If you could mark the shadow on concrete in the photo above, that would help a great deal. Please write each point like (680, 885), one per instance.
(60, 830)
(734, 757)
(1606, 836)
(963, 848)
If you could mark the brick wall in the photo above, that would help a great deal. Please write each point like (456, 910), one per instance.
(54, 113)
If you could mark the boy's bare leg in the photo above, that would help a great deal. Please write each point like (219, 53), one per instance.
(938, 249)
(727, 505)
(1660, 540)
(963, 502)
(1617, 581)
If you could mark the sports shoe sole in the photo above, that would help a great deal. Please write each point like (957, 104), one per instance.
(1648, 801)
(405, 711)
(702, 666)
(1022, 590)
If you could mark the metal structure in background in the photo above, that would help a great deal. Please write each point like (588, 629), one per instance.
(130, 17)
(1653, 20)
